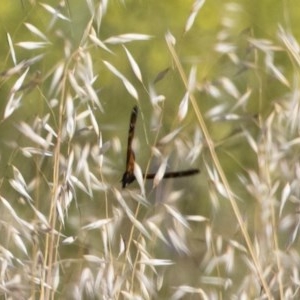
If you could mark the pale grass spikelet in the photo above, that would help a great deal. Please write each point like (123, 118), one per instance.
(16, 87)
(196, 147)
(96, 225)
(208, 236)
(11, 48)
(91, 6)
(231, 16)
(42, 218)
(226, 102)
(56, 79)
(86, 286)
(94, 259)
(284, 197)
(24, 224)
(80, 91)
(140, 198)
(98, 42)
(43, 123)
(126, 38)
(139, 178)
(139, 226)
(219, 244)
(177, 216)
(14, 70)
(70, 126)
(122, 247)
(32, 135)
(183, 290)
(216, 281)
(74, 181)
(157, 231)
(183, 107)
(194, 12)
(19, 184)
(237, 246)
(96, 184)
(130, 215)
(32, 45)
(135, 67)
(13, 103)
(93, 96)
(69, 240)
(178, 242)
(295, 230)
(174, 196)
(229, 87)
(55, 12)
(275, 71)
(128, 85)
(21, 66)
(170, 38)
(154, 98)
(110, 280)
(63, 201)
(196, 218)
(159, 281)
(225, 48)
(294, 108)
(82, 157)
(290, 43)
(160, 172)
(33, 29)
(101, 147)
(18, 241)
(56, 278)
(243, 100)
(192, 79)
(217, 183)
(100, 12)
(86, 68)
(251, 141)
(217, 111)
(264, 45)
(104, 236)
(170, 136)
(211, 89)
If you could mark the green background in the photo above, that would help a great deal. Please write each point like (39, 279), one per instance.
(247, 20)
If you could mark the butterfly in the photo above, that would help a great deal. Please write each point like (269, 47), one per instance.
(128, 176)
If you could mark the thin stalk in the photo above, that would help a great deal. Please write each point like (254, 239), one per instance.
(217, 164)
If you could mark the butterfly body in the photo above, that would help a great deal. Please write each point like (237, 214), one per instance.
(128, 176)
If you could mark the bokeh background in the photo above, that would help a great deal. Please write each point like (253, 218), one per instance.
(234, 46)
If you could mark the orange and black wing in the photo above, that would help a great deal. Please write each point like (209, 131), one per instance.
(128, 176)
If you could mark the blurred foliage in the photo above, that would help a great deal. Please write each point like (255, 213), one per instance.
(238, 21)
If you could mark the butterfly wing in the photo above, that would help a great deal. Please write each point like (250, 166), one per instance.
(128, 176)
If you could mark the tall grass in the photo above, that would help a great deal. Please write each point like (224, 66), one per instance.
(69, 231)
